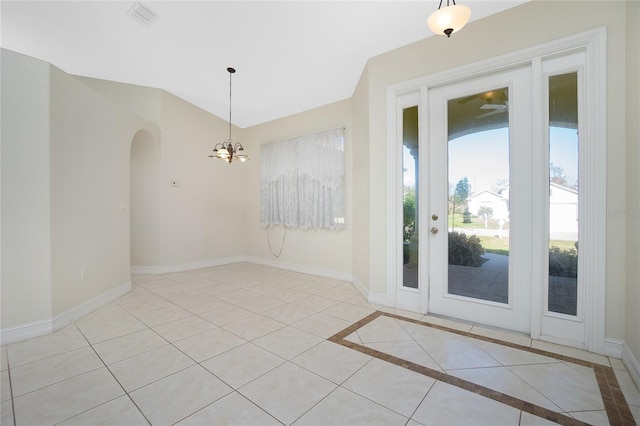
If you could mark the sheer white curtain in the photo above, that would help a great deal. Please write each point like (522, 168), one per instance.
(303, 183)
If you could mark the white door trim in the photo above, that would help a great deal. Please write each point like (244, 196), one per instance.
(593, 42)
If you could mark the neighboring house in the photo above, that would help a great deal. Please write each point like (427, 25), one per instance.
(497, 203)
(563, 209)
(563, 213)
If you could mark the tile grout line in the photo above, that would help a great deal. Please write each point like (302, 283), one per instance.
(468, 386)
(13, 405)
(114, 378)
(616, 407)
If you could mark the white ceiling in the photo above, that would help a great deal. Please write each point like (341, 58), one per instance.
(290, 56)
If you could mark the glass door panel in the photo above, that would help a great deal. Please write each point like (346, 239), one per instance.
(410, 184)
(563, 194)
(480, 204)
(478, 182)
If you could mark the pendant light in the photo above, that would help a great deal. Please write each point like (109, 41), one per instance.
(449, 19)
(229, 150)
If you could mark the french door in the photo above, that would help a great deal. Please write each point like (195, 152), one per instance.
(500, 189)
(479, 199)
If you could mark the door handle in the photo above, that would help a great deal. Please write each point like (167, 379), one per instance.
(434, 217)
(434, 230)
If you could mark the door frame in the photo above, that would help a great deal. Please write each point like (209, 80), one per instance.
(593, 43)
(517, 310)
(407, 298)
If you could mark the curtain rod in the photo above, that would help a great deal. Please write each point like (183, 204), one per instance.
(305, 134)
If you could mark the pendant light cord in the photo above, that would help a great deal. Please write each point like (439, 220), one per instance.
(231, 71)
(284, 234)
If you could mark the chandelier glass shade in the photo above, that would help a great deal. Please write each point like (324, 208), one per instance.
(229, 150)
(449, 19)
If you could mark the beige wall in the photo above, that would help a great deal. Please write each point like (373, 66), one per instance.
(144, 200)
(90, 140)
(145, 102)
(360, 171)
(203, 218)
(514, 29)
(328, 250)
(25, 290)
(632, 297)
(215, 212)
(65, 172)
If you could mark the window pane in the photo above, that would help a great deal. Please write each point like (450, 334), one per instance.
(478, 176)
(303, 181)
(563, 194)
(410, 197)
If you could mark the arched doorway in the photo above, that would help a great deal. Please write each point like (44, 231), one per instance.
(144, 172)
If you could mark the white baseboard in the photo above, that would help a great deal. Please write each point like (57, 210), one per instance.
(632, 364)
(613, 348)
(25, 331)
(168, 269)
(359, 285)
(40, 328)
(77, 312)
(379, 299)
(311, 270)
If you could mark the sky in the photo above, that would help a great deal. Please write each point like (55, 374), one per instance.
(483, 157)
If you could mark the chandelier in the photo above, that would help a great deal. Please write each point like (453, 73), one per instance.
(229, 150)
(449, 19)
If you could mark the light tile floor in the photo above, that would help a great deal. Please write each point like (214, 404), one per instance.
(244, 344)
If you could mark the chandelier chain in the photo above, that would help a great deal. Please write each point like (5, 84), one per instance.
(230, 74)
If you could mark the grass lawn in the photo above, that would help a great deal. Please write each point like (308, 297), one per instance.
(476, 222)
(501, 246)
(495, 244)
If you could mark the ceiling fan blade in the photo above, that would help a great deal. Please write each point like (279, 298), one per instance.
(494, 106)
(494, 112)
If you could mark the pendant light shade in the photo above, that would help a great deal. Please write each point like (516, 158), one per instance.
(449, 19)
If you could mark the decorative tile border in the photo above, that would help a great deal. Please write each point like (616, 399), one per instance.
(614, 402)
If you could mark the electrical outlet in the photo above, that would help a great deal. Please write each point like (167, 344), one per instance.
(83, 274)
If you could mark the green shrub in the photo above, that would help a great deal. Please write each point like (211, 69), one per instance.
(465, 251)
(563, 263)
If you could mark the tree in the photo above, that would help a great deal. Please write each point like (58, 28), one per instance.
(460, 195)
(558, 176)
(499, 185)
(409, 210)
(462, 191)
(485, 212)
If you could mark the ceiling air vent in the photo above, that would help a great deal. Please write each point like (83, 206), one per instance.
(142, 14)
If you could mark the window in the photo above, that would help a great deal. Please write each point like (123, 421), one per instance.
(303, 181)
